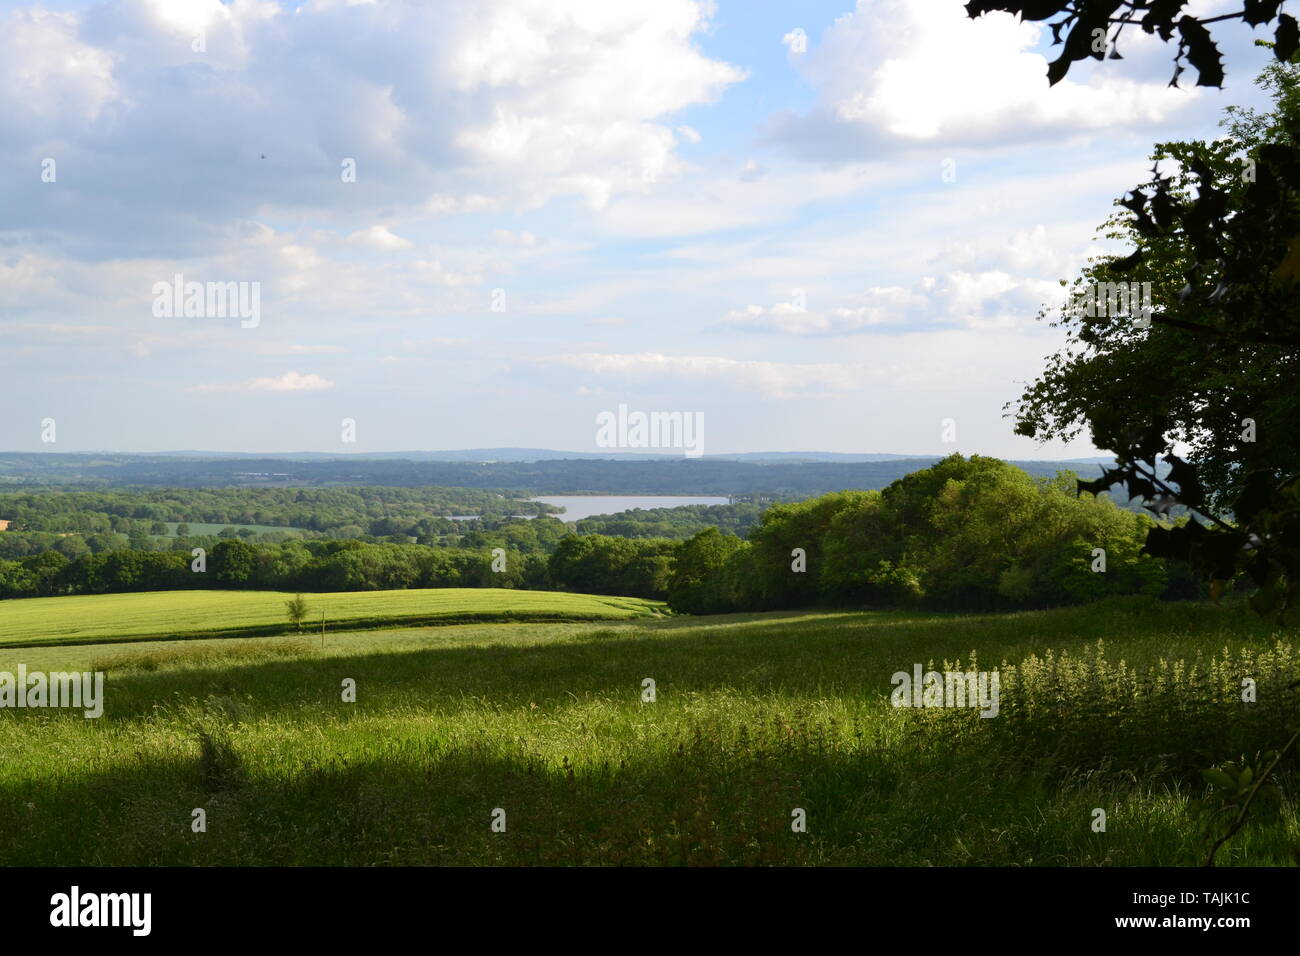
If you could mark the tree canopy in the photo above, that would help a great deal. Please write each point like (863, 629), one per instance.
(1210, 372)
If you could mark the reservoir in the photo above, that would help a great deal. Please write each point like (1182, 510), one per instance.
(577, 507)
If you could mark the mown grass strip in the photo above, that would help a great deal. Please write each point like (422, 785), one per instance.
(182, 615)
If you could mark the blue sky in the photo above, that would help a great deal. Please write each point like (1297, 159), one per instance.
(650, 189)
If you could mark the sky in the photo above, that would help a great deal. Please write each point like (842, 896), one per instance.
(483, 223)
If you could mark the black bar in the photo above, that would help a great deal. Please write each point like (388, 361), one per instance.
(332, 906)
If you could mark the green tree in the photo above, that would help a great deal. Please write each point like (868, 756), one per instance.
(699, 582)
(45, 569)
(296, 608)
(1218, 239)
(596, 564)
(787, 556)
(72, 546)
(233, 561)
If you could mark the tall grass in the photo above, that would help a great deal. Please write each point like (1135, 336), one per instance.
(755, 717)
(1087, 709)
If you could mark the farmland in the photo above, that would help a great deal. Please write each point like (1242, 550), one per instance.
(754, 716)
(111, 618)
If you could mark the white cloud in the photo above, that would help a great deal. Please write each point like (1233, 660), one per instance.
(523, 239)
(288, 382)
(576, 89)
(437, 272)
(706, 202)
(48, 74)
(880, 367)
(298, 349)
(379, 237)
(884, 306)
(481, 126)
(908, 72)
(460, 106)
(188, 16)
(772, 378)
(977, 300)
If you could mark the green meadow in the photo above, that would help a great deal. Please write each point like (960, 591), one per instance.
(153, 615)
(757, 721)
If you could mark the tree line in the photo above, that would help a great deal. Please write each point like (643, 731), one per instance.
(967, 533)
(590, 564)
(517, 479)
(972, 533)
(346, 512)
(680, 522)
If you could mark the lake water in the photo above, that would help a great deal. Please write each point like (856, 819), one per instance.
(577, 507)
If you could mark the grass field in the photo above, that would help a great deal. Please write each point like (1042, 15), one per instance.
(755, 716)
(109, 618)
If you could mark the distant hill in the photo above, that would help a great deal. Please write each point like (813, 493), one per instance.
(533, 454)
(783, 477)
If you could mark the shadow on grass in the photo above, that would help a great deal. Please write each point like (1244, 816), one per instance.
(702, 799)
(717, 794)
(854, 657)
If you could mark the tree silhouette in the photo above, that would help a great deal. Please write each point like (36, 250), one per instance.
(1093, 29)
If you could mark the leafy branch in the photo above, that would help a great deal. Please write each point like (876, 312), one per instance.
(1083, 30)
(1233, 784)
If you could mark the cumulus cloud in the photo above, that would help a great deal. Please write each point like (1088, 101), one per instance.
(895, 73)
(49, 75)
(796, 40)
(165, 140)
(539, 146)
(288, 382)
(379, 237)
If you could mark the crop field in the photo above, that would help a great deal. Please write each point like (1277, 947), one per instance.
(523, 743)
(110, 618)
